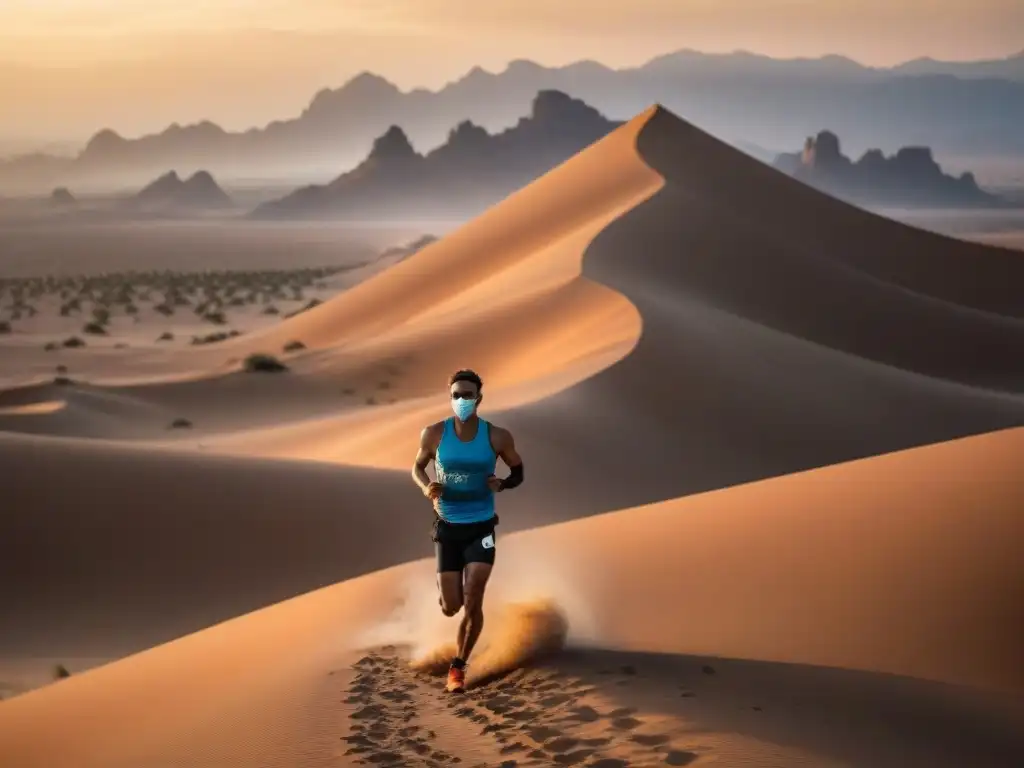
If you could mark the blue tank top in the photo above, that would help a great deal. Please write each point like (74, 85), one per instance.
(463, 468)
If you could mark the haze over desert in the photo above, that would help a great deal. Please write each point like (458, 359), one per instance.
(774, 426)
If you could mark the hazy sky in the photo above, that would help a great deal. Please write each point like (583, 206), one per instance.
(70, 67)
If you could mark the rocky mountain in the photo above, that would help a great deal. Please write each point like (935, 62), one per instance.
(910, 177)
(61, 197)
(738, 97)
(198, 192)
(472, 170)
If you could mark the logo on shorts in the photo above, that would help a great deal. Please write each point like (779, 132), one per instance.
(488, 541)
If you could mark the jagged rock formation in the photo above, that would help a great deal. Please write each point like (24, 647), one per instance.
(472, 170)
(198, 191)
(911, 177)
(61, 197)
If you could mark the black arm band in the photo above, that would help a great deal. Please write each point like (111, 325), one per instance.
(515, 477)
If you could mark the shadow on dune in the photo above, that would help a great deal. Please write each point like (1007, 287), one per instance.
(783, 330)
(122, 548)
(854, 717)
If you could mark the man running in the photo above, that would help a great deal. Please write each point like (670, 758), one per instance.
(464, 450)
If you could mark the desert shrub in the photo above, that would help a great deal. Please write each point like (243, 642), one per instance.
(62, 381)
(263, 363)
(211, 338)
(94, 328)
(180, 423)
(294, 346)
(164, 309)
(101, 315)
(62, 369)
(271, 310)
(165, 336)
(73, 342)
(51, 346)
(5, 326)
(217, 318)
(308, 306)
(60, 672)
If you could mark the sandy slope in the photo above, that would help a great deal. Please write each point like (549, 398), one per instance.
(776, 336)
(728, 325)
(876, 565)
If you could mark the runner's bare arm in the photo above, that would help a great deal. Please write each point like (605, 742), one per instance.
(430, 438)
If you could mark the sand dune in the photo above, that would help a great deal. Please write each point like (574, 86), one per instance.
(876, 565)
(659, 316)
(774, 339)
(798, 294)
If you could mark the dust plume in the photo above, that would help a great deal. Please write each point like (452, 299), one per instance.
(525, 617)
(518, 633)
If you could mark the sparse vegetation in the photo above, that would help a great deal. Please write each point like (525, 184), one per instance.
(180, 423)
(263, 363)
(94, 328)
(309, 305)
(60, 672)
(213, 338)
(102, 299)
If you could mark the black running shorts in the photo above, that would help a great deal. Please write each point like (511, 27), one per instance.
(457, 545)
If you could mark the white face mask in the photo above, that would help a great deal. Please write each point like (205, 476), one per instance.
(463, 408)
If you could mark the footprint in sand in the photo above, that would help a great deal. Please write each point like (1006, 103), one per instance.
(528, 718)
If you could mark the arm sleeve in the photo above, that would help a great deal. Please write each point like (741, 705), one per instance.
(515, 477)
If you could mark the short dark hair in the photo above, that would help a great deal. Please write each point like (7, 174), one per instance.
(467, 375)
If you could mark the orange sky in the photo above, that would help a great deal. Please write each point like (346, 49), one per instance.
(69, 67)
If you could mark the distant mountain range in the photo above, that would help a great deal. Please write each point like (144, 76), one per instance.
(954, 107)
(470, 172)
(909, 178)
